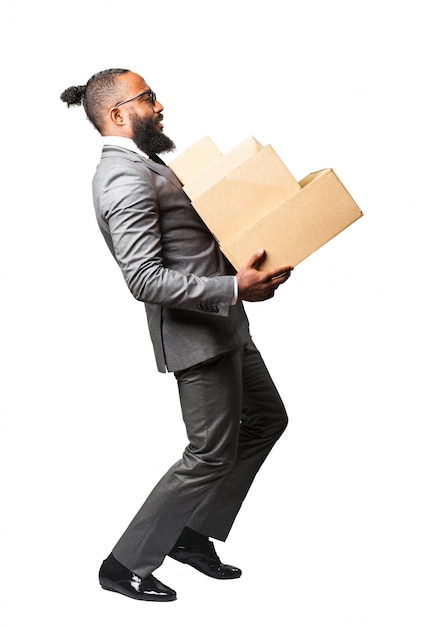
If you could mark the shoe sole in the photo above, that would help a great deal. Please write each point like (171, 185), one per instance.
(146, 598)
(188, 562)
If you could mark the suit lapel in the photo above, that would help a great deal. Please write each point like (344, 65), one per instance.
(163, 169)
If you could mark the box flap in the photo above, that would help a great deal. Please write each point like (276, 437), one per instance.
(217, 171)
(195, 160)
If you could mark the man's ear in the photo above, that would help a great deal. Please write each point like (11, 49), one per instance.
(116, 116)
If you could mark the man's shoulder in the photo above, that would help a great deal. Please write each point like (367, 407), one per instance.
(117, 152)
(114, 159)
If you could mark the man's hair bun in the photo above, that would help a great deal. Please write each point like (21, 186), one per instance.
(73, 96)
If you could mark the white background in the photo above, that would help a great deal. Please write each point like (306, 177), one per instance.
(335, 529)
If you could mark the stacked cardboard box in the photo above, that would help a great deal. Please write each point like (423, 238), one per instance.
(249, 200)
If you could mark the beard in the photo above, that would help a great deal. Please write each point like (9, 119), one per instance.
(149, 139)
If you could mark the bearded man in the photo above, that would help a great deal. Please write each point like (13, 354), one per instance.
(193, 297)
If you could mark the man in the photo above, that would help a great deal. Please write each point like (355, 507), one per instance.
(193, 297)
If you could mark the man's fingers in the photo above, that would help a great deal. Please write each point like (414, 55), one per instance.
(280, 272)
(256, 259)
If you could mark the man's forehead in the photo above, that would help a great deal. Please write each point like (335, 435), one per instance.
(135, 81)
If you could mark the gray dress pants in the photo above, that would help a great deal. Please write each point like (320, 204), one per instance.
(233, 416)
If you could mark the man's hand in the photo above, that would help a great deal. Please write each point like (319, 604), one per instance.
(255, 285)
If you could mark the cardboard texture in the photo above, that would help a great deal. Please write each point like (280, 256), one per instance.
(249, 200)
(195, 160)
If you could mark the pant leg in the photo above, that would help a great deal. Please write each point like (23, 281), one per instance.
(211, 399)
(263, 420)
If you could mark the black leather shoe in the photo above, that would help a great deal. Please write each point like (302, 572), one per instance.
(205, 560)
(115, 577)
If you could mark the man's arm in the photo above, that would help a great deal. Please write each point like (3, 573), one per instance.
(128, 208)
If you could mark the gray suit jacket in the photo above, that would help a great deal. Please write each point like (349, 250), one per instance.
(169, 259)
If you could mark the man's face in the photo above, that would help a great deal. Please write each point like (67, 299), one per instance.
(145, 114)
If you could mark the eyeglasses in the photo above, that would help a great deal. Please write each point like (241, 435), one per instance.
(151, 97)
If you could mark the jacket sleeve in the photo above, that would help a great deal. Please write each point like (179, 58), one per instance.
(129, 206)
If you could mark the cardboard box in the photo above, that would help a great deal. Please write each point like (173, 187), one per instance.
(249, 200)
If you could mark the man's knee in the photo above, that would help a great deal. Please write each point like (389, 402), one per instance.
(278, 424)
(211, 465)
